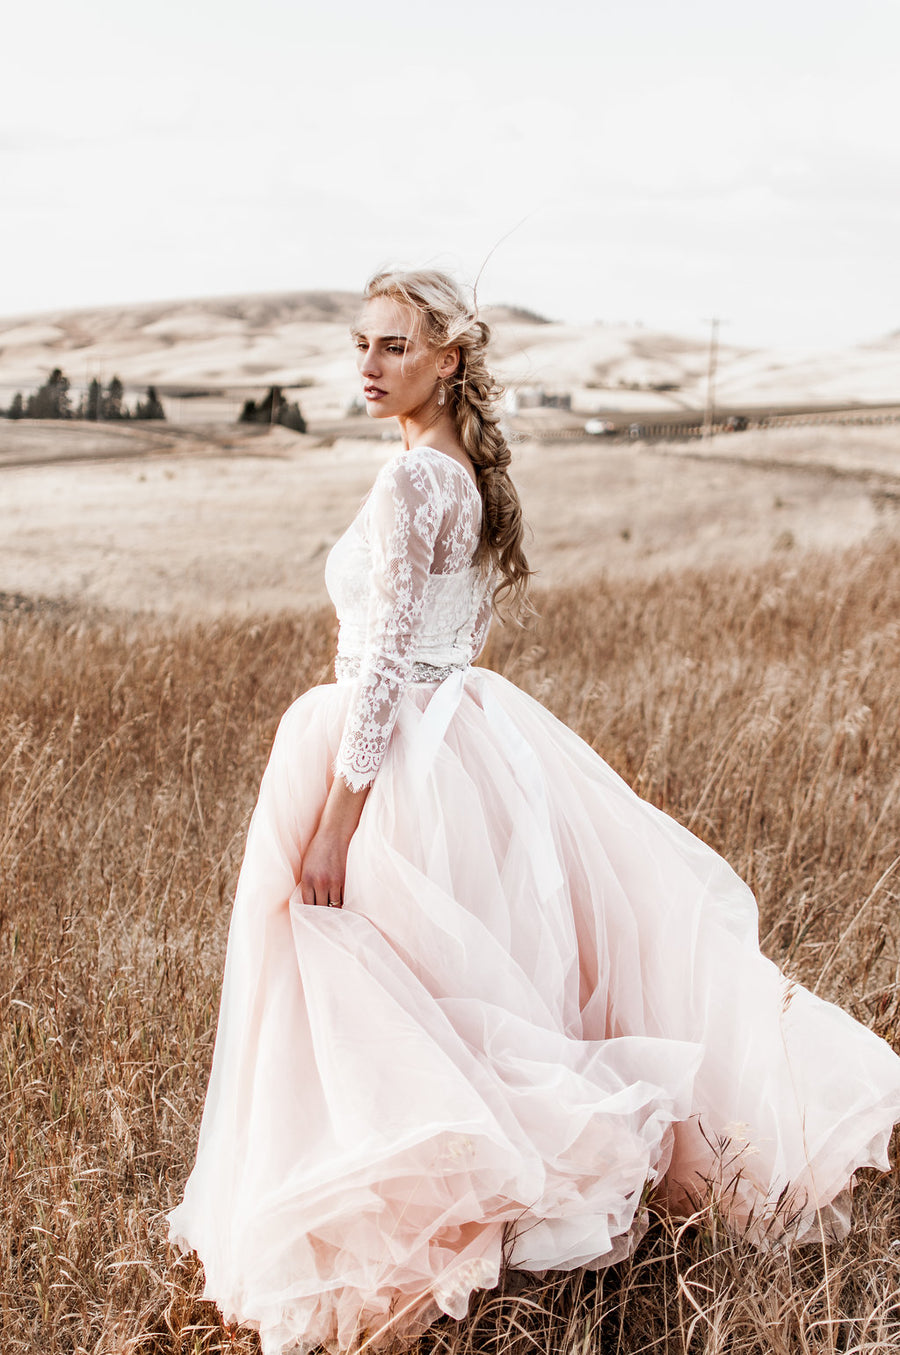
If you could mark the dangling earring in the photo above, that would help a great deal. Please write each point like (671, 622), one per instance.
(442, 394)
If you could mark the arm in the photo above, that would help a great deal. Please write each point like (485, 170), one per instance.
(404, 520)
(325, 859)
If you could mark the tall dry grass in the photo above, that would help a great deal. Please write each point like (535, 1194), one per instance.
(762, 708)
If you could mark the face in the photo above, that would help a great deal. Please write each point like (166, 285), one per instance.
(401, 373)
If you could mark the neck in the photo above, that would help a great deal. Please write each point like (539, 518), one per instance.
(432, 427)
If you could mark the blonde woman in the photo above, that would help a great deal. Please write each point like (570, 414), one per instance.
(477, 993)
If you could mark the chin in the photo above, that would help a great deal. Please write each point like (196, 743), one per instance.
(375, 411)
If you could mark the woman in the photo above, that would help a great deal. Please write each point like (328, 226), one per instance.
(478, 995)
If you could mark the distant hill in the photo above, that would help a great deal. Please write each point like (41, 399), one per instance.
(260, 310)
(299, 340)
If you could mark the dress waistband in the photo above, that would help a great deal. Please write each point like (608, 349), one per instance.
(347, 670)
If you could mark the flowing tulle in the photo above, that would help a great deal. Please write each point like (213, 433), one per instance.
(541, 998)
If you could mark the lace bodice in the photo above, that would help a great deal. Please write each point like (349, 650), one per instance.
(411, 603)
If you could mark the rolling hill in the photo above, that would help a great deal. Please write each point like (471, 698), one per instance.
(227, 346)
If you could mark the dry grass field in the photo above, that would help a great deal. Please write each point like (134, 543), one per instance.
(758, 703)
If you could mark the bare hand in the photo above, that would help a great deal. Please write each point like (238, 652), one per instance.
(323, 870)
(325, 860)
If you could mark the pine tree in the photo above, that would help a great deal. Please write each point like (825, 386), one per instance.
(17, 408)
(94, 398)
(268, 410)
(111, 403)
(290, 416)
(274, 409)
(151, 408)
(51, 401)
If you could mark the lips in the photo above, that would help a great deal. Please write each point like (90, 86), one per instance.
(373, 392)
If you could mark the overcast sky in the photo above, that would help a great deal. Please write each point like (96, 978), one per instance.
(655, 160)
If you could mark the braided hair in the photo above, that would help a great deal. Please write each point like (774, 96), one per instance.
(449, 320)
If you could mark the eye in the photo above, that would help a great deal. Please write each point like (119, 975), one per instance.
(396, 348)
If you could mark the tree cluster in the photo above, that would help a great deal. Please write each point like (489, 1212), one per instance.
(274, 409)
(106, 404)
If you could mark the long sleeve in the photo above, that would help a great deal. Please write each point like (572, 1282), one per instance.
(404, 518)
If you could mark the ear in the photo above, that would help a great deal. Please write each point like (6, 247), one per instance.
(447, 363)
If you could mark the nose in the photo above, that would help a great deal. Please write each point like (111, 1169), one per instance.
(368, 365)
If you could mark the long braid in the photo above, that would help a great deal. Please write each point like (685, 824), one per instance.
(475, 396)
(450, 321)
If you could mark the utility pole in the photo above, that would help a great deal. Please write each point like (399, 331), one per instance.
(709, 414)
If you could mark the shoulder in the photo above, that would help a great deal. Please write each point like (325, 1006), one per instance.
(407, 497)
(415, 473)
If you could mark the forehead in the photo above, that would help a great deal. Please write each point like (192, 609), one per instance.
(383, 315)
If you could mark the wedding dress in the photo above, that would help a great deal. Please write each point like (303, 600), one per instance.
(541, 997)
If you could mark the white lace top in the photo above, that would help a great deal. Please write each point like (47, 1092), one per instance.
(411, 604)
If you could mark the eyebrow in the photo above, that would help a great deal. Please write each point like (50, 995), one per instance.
(385, 338)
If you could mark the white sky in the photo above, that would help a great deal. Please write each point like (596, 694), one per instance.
(668, 159)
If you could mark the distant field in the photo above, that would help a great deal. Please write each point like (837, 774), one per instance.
(205, 521)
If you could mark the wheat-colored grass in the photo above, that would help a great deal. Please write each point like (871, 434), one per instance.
(761, 708)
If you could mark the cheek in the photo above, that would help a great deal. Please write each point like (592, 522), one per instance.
(416, 371)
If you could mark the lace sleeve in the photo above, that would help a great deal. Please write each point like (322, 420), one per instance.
(404, 519)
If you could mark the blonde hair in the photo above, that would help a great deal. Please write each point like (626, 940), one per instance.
(449, 319)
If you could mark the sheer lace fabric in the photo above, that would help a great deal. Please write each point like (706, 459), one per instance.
(411, 604)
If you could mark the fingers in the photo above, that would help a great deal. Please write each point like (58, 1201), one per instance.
(322, 871)
(321, 893)
(329, 896)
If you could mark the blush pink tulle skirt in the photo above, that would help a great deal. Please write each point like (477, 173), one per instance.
(541, 997)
